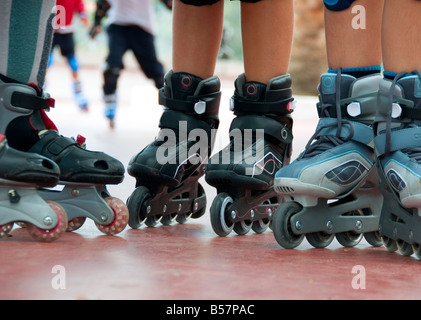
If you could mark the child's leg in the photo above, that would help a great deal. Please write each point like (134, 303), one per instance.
(267, 37)
(25, 25)
(401, 35)
(197, 33)
(352, 48)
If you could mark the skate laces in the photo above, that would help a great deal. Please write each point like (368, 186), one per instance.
(413, 153)
(326, 142)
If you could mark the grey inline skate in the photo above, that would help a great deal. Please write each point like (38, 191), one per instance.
(398, 149)
(332, 185)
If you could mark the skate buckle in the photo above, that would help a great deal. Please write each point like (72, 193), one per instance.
(51, 102)
(291, 105)
(354, 109)
(81, 140)
(200, 107)
(396, 110)
(14, 197)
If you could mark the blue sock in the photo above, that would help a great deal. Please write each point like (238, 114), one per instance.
(359, 71)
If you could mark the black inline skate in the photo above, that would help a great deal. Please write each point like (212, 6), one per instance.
(260, 144)
(168, 169)
(331, 188)
(83, 173)
(398, 149)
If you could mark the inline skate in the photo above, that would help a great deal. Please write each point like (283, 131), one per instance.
(332, 186)
(168, 169)
(398, 149)
(260, 144)
(80, 98)
(83, 173)
(21, 173)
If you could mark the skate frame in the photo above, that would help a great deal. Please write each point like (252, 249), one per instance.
(358, 210)
(82, 200)
(20, 202)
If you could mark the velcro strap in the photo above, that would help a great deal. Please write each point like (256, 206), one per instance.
(201, 104)
(271, 127)
(399, 139)
(280, 107)
(173, 120)
(410, 112)
(30, 101)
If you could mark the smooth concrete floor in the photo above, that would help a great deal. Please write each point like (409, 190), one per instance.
(183, 262)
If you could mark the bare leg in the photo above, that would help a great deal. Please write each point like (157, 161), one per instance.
(267, 36)
(401, 35)
(353, 48)
(197, 37)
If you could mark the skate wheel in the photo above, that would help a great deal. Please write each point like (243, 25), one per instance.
(75, 224)
(416, 247)
(218, 214)
(320, 239)
(121, 217)
(168, 219)
(242, 227)
(389, 244)
(135, 203)
(349, 239)
(373, 238)
(5, 229)
(404, 248)
(260, 226)
(184, 217)
(49, 235)
(153, 221)
(281, 225)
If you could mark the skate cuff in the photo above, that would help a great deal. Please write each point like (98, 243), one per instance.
(280, 107)
(399, 139)
(271, 127)
(200, 104)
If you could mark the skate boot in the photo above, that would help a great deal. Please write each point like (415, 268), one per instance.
(332, 186)
(398, 149)
(110, 101)
(83, 173)
(260, 144)
(80, 98)
(21, 173)
(168, 169)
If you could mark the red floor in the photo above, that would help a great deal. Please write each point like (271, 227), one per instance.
(185, 261)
